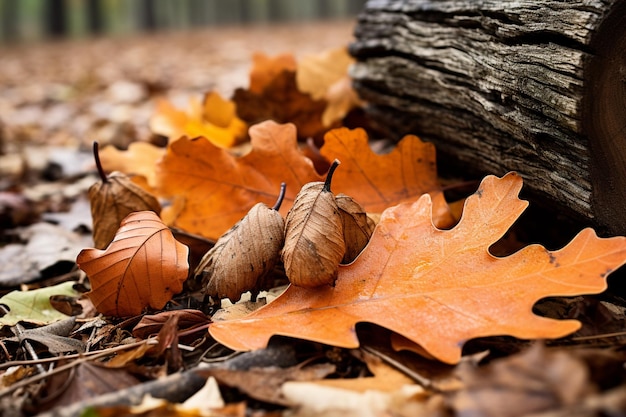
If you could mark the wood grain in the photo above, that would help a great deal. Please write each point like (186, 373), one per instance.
(507, 86)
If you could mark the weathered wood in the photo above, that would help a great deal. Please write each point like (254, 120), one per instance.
(535, 86)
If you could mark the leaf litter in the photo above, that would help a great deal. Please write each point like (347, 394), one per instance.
(409, 267)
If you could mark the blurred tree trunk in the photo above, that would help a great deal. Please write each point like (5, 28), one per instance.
(10, 15)
(147, 15)
(55, 20)
(93, 11)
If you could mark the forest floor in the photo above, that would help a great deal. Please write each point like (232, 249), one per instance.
(57, 98)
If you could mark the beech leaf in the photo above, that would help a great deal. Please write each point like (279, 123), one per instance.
(439, 288)
(143, 266)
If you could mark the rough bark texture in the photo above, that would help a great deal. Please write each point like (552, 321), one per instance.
(534, 86)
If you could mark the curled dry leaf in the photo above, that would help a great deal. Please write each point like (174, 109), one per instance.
(243, 257)
(357, 226)
(112, 199)
(143, 266)
(314, 243)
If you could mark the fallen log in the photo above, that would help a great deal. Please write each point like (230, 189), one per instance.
(533, 86)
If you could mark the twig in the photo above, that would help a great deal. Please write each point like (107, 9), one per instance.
(424, 382)
(598, 336)
(80, 359)
(98, 353)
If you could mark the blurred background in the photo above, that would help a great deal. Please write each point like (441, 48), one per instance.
(31, 20)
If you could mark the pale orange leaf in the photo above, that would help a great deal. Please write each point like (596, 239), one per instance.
(139, 159)
(325, 76)
(214, 118)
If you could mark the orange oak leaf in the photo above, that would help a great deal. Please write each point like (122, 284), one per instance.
(439, 288)
(143, 266)
(214, 118)
(380, 181)
(211, 189)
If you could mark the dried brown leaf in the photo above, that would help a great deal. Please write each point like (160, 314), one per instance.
(114, 199)
(244, 255)
(357, 226)
(314, 243)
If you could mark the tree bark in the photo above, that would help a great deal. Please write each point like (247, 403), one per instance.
(533, 86)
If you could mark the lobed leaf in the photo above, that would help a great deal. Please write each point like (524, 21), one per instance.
(439, 288)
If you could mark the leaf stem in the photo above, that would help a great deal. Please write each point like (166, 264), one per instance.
(96, 157)
(281, 196)
(329, 176)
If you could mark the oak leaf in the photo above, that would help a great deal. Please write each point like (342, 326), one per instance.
(211, 189)
(439, 288)
(214, 118)
(380, 181)
(143, 266)
(281, 101)
(265, 68)
(325, 76)
(139, 159)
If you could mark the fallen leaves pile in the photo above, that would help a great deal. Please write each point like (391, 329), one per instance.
(268, 254)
